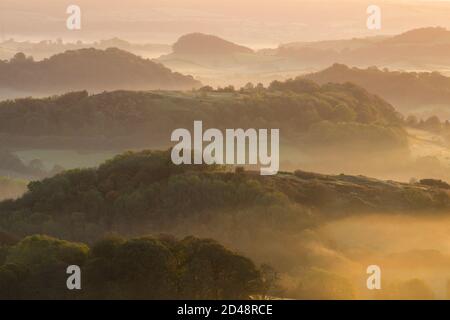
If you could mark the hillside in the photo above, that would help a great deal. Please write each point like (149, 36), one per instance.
(336, 45)
(205, 44)
(418, 49)
(116, 268)
(419, 93)
(213, 59)
(137, 119)
(138, 192)
(430, 35)
(336, 120)
(219, 62)
(46, 48)
(278, 220)
(421, 36)
(91, 69)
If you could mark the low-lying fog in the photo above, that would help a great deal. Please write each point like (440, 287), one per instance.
(412, 252)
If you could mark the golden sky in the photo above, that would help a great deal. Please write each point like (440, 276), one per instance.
(251, 22)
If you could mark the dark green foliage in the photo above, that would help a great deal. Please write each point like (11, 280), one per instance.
(128, 194)
(143, 119)
(137, 193)
(115, 268)
(35, 268)
(343, 99)
(298, 86)
(359, 194)
(136, 269)
(210, 272)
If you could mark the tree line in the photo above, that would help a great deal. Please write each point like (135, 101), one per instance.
(160, 267)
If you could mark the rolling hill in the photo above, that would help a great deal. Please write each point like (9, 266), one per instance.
(204, 44)
(419, 93)
(216, 61)
(92, 69)
(137, 192)
(418, 49)
(273, 219)
(302, 109)
(47, 48)
(220, 62)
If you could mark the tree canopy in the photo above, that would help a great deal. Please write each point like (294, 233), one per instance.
(115, 268)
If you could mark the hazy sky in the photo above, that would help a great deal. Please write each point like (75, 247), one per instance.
(251, 22)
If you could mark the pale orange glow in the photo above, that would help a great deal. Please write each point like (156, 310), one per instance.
(254, 23)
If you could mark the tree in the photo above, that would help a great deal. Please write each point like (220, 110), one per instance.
(40, 262)
(212, 272)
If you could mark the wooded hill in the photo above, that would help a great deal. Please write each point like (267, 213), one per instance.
(135, 193)
(305, 112)
(91, 69)
(116, 268)
(410, 92)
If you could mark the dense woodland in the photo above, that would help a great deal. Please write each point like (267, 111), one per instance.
(306, 113)
(116, 268)
(115, 218)
(140, 193)
(143, 193)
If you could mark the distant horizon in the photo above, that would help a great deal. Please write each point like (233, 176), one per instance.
(258, 25)
(70, 40)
